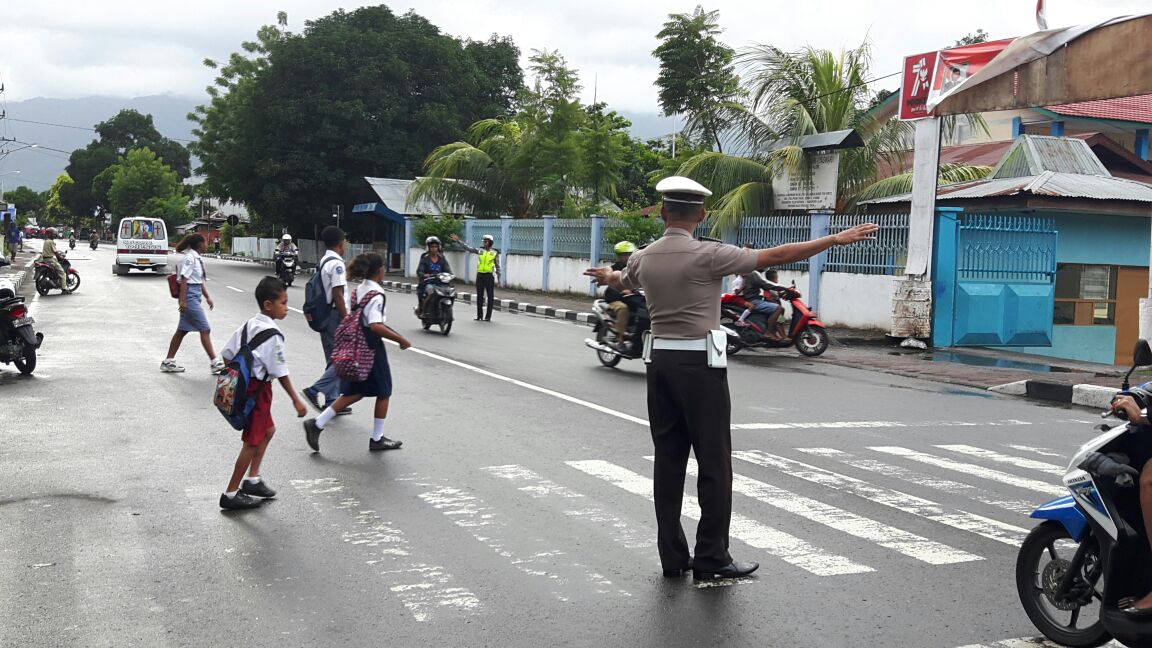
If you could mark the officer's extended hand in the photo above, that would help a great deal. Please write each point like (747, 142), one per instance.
(601, 275)
(455, 237)
(865, 232)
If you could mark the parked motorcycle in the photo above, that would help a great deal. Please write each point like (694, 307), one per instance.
(18, 341)
(46, 279)
(607, 345)
(438, 300)
(1091, 551)
(287, 266)
(805, 330)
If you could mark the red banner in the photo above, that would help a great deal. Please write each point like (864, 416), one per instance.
(919, 71)
(935, 75)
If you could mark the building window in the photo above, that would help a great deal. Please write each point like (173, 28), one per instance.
(1085, 295)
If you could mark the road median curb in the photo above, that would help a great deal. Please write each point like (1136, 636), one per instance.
(509, 305)
(1094, 396)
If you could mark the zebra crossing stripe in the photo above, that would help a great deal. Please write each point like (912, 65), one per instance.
(918, 506)
(1045, 452)
(1019, 462)
(921, 479)
(1031, 642)
(576, 505)
(485, 524)
(972, 469)
(810, 425)
(785, 546)
(909, 544)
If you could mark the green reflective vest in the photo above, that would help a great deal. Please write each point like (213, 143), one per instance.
(487, 262)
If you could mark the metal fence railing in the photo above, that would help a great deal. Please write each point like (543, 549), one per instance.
(995, 247)
(481, 227)
(886, 255)
(770, 231)
(526, 237)
(571, 237)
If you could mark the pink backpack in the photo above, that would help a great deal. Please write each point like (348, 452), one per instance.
(351, 355)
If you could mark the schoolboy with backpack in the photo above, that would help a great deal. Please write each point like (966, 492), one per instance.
(325, 306)
(254, 356)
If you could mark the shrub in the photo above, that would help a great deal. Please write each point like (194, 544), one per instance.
(442, 227)
(637, 228)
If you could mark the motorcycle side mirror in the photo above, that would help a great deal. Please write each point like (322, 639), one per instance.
(1141, 357)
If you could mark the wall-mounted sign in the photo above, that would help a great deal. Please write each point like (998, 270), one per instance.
(817, 191)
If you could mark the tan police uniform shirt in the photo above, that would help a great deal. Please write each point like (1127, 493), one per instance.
(681, 278)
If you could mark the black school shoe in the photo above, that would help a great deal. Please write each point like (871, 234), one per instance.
(731, 570)
(239, 502)
(312, 434)
(383, 444)
(259, 489)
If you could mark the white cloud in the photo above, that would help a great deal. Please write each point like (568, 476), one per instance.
(58, 48)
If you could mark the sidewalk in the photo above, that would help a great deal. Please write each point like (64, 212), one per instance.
(20, 270)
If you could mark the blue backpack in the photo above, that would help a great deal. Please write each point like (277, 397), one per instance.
(231, 395)
(317, 309)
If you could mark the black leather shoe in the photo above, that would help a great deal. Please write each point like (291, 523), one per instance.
(384, 444)
(677, 572)
(731, 570)
(239, 502)
(313, 398)
(312, 434)
(259, 489)
(344, 412)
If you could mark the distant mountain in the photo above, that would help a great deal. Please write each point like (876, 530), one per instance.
(39, 166)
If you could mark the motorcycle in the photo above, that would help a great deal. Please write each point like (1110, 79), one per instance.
(286, 262)
(805, 331)
(1091, 551)
(94, 243)
(18, 341)
(607, 345)
(46, 279)
(438, 300)
(71, 244)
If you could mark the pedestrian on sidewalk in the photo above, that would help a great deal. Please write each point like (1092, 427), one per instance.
(268, 363)
(192, 318)
(689, 407)
(333, 277)
(487, 274)
(368, 306)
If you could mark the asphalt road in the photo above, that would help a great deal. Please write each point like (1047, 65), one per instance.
(517, 513)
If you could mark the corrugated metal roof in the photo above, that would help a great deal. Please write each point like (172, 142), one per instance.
(1032, 155)
(1133, 109)
(393, 193)
(1049, 183)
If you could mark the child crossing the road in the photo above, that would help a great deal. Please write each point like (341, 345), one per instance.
(268, 364)
(378, 384)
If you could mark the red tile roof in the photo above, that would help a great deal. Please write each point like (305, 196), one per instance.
(1133, 109)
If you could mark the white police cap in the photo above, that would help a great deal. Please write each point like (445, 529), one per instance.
(683, 190)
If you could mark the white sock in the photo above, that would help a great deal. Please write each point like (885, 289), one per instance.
(378, 430)
(231, 494)
(327, 415)
(252, 479)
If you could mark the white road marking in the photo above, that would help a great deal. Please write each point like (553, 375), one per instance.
(1044, 452)
(423, 588)
(233, 288)
(785, 546)
(295, 310)
(576, 505)
(971, 469)
(909, 544)
(918, 506)
(1019, 462)
(922, 479)
(485, 524)
(1031, 642)
(870, 424)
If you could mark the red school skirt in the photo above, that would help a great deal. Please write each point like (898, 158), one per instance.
(261, 420)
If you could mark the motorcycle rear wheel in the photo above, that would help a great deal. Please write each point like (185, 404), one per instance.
(1047, 544)
(73, 283)
(42, 285)
(812, 341)
(27, 364)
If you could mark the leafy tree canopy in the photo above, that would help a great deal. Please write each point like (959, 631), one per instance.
(142, 185)
(28, 201)
(297, 120)
(980, 36)
(55, 209)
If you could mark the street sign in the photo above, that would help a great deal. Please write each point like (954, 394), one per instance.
(935, 75)
(791, 190)
(233, 220)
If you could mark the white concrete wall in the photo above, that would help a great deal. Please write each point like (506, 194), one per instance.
(567, 274)
(857, 301)
(523, 271)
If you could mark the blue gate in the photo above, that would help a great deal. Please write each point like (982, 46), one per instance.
(995, 280)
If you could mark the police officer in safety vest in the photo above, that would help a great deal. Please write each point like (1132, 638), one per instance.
(689, 409)
(487, 274)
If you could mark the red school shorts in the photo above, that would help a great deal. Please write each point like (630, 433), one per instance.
(261, 420)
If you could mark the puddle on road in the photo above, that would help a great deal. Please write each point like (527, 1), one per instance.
(1000, 363)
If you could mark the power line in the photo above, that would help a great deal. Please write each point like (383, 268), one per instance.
(85, 128)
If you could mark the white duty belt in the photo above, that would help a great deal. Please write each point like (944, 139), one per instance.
(665, 344)
(714, 346)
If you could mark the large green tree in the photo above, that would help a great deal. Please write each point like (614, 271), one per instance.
(55, 208)
(29, 202)
(297, 120)
(697, 76)
(127, 130)
(143, 185)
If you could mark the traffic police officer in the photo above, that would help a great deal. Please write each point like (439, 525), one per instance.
(689, 408)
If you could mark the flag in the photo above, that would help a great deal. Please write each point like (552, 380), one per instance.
(1041, 19)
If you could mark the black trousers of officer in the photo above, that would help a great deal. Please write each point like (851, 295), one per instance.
(485, 284)
(689, 409)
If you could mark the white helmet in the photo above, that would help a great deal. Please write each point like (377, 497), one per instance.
(286, 237)
(488, 237)
(430, 240)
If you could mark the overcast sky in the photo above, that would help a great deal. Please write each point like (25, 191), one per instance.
(73, 48)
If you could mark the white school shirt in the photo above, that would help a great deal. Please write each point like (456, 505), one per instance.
(374, 311)
(192, 267)
(268, 360)
(334, 276)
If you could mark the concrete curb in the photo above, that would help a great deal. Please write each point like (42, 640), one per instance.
(1094, 396)
(506, 304)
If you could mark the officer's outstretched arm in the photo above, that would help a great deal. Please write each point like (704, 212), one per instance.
(793, 252)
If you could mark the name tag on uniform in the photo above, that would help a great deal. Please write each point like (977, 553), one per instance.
(717, 349)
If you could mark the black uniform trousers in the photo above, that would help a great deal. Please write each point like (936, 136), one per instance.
(689, 409)
(485, 284)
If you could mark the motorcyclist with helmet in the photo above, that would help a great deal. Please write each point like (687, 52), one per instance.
(287, 248)
(50, 256)
(1132, 406)
(624, 303)
(431, 264)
